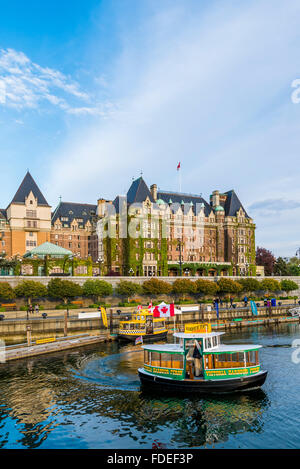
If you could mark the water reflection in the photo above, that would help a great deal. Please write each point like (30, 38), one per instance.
(91, 398)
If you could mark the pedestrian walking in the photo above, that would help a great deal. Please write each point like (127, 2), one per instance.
(31, 309)
(245, 301)
(36, 309)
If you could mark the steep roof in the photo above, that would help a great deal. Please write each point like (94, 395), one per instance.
(72, 210)
(138, 192)
(178, 198)
(48, 249)
(27, 185)
(2, 213)
(232, 204)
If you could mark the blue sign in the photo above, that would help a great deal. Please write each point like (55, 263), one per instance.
(253, 308)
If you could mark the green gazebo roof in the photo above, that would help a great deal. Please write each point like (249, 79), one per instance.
(48, 249)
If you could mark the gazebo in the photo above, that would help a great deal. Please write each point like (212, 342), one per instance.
(48, 251)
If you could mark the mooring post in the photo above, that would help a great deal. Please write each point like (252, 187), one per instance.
(111, 326)
(28, 329)
(66, 324)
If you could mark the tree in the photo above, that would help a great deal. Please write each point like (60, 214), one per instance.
(97, 288)
(207, 287)
(270, 285)
(30, 290)
(6, 291)
(288, 285)
(249, 284)
(156, 287)
(63, 289)
(127, 288)
(226, 285)
(183, 286)
(281, 267)
(265, 258)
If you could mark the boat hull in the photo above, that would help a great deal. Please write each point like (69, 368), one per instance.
(146, 337)
(167, 385)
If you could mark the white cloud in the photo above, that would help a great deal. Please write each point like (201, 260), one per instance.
(25, 84)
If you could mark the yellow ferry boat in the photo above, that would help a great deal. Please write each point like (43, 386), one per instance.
(143, 324)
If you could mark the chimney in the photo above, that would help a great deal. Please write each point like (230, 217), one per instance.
(153, 190)
(215, 199)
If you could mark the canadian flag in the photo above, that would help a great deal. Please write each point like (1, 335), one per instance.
(164, 311)
(178, 166)
(139, 307)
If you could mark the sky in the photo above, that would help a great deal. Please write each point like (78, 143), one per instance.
(96, 93)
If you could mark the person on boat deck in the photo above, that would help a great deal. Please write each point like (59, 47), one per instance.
(194, 355)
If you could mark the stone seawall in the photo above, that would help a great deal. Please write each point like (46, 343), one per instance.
(15, 330)
(15, 280)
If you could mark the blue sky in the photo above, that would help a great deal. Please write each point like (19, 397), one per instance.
(94, 92)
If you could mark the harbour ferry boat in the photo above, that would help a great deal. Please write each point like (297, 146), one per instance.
(197, 362)
(143, 325)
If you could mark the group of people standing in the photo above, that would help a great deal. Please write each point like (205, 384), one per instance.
(31, 310)
(219, 302)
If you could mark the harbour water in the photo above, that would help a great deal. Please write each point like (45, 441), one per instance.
(91, 398)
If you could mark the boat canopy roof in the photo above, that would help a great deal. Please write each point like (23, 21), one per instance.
(167, 348)
(222, 348)
(197, 335)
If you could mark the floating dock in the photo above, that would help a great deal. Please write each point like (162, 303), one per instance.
(50, 345)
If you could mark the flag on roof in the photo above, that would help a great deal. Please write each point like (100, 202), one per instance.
(178, 166)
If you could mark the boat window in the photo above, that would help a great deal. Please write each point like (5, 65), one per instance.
(207, 343)
(252, 358)
(234, 360)
(158, 324)
(166, 360)
(155, 359)
(215, 341)
(177, 361)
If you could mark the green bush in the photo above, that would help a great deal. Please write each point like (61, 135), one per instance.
(226, 285)
(127, 288)
(96, 305)
(183, 286)
(6, 291)
(2, 310)
(30, 289)
(207, 287)
(67, 306)
(97, 288)
(64, 289)
(288, 285)
(269, 284)
(249, 284)
(156, 287)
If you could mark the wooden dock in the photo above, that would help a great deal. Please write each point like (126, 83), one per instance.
(24, 351)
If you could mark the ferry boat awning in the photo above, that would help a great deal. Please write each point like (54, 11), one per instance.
(168, 348)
